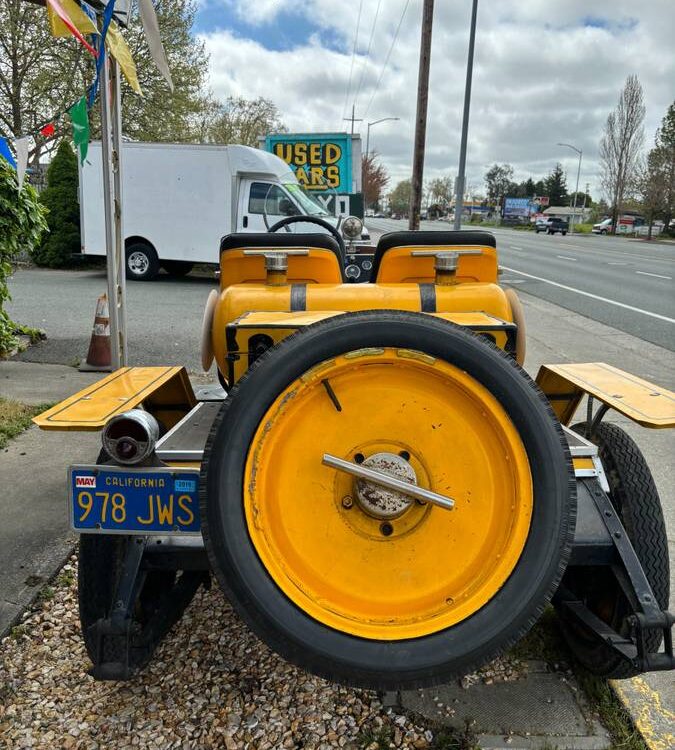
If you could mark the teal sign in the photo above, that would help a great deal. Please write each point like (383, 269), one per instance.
(321, 161)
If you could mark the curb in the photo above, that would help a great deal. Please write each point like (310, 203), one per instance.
(654, 722)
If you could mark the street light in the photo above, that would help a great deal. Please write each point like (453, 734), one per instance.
(576, 189)
(370, 125)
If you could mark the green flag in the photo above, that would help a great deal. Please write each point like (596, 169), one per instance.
(80, 119)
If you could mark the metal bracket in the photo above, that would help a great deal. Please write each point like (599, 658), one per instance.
(388, 481)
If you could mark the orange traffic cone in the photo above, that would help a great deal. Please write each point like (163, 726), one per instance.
(99, 358)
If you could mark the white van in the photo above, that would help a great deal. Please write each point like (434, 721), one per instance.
(179, 200)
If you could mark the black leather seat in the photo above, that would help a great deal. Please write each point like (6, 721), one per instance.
(407, 239)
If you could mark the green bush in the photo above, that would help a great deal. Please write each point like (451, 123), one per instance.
(22, 222)
(583, 228)
(60, 198)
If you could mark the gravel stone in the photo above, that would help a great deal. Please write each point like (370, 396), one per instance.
(211, 684)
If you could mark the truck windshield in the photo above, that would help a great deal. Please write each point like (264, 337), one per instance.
(309, 204)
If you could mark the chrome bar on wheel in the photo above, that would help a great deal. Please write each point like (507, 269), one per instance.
(388, 481)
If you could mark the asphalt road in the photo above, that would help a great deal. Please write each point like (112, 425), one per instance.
(164, 317)
(623, 283)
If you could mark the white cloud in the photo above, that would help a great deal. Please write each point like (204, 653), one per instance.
(545, 72)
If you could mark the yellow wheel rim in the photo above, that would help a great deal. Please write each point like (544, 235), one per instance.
(435, 567)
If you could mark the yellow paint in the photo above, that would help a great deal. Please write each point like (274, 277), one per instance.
(581, 464)
(470, 303)
(652, 719)
(438, 567)
(399, 265)
(124, 389)
(644, 403)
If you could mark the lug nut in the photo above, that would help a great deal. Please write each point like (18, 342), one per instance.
(386, 529)
(347, 502)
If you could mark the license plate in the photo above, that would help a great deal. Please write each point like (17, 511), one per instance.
(114, 499)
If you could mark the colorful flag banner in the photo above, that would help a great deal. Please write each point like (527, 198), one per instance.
(48, 130)
(21, 149)
(55, 5)
(80, 119)
(82, 22)
(119, 49)
(6, 153)
(107, 18)
(151, 28)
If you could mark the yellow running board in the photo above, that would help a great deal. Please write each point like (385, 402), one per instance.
(644, 403)
(166, 392)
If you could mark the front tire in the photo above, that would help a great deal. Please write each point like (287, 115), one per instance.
(293, 556)
(142, 263)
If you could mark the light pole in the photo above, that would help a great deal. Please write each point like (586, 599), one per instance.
(370, 125)
(459, 192)
(576, 189)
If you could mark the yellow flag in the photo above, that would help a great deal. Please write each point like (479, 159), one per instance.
(80, 19)
(119, 49)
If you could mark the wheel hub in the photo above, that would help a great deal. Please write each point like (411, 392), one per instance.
(378, 501)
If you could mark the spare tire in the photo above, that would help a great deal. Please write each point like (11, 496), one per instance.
(357, 592)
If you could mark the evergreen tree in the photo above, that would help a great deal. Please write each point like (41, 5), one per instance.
(60, 198)
(555, 186)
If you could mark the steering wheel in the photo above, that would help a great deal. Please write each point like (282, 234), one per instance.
(311, 220)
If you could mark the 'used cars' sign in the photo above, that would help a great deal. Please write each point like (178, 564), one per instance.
(321, 161)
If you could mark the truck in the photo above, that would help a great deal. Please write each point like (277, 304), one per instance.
(180, 199)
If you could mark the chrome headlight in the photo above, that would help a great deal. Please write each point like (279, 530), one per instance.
(130, 437)
(352, 227)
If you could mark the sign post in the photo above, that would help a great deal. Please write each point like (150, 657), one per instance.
(111, 147)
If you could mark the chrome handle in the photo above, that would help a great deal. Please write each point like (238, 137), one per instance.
(388, 481)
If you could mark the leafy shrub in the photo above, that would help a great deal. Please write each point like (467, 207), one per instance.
(22, 222)
(60, 198)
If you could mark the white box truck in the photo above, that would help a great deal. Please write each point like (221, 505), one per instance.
(179, 200)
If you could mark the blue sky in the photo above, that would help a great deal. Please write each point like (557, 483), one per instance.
(289, 29)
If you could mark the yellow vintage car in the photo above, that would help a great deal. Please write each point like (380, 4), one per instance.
(383, 493)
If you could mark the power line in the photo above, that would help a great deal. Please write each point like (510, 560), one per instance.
(386, 61)
(370, 44)
(351, 67)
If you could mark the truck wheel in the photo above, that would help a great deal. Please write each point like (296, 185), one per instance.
(142, 262)
(177, 268)
(563, 233)
(636, 500)
(366, 586)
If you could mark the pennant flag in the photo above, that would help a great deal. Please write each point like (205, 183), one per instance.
(48, 130)
(57, 8)
(119, 49)
(80, 119)
(78, 17)
(21, 149)
(6, 153)
(107, 18)
(151, 28)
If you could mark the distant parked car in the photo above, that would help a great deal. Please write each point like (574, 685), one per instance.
(551, 226)
(541, 225)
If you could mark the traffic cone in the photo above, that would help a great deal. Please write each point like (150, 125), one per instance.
(99, 357)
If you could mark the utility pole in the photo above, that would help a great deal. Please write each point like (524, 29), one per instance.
(459, 193)
(421, 120)
(353, 119)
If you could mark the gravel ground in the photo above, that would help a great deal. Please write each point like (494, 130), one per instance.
(207, 687)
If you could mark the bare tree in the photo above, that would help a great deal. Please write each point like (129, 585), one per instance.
(375, 178)
(244, 121)
(621, 145)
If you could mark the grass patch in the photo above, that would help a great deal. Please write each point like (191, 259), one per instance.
(612, 714)
(374, 738)
(15, 417)
(583, 228)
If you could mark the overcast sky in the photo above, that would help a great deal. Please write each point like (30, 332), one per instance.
(545, 72)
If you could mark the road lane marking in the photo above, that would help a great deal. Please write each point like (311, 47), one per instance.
(616, 263)
(565, 257)
(515, 247)
(656, 275)
(592, 296)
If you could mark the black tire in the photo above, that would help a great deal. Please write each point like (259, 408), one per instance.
(178, 268)
(563, 233)
(354, 660)
(99, 567)
(142, 263)
(636, 500)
